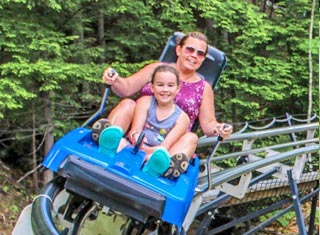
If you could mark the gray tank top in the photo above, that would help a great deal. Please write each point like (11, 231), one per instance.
(155, 131)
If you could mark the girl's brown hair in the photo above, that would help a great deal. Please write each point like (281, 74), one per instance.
(165, 68)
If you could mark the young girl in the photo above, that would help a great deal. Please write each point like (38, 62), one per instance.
(162, 122)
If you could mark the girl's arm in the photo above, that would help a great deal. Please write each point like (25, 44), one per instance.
(180, 128)
(139, 117)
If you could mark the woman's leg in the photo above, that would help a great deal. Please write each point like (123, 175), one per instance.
(181, 153)
(186, 144)
(122, 114)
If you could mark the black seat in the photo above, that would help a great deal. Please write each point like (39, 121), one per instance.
(210, 69)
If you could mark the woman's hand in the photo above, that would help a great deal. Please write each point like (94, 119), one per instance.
(110, 76)
(224, 130)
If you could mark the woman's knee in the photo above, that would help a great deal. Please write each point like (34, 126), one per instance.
(127, 104)
(122, 114)
(190, 138)
(124, 107)
(186, 144)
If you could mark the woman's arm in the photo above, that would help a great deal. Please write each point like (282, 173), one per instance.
(125, 87)
(207, 117)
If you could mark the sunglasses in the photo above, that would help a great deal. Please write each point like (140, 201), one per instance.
(190, 50)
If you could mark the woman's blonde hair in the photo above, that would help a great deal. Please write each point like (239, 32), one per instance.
(198, 35)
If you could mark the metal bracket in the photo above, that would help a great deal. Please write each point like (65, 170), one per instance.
(238, 190)
(192, 212)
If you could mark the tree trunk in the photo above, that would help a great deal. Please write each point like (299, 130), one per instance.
(310, 61)
(101, 39)
(49, 139)
(78, 29)
(34, 154)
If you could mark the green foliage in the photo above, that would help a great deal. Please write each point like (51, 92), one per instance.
(5, 188)
(15, 211)
(10, 94)
(267, 71)
(51, 51)
(283, 220)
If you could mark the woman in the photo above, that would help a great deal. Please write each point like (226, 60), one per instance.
(195, 97)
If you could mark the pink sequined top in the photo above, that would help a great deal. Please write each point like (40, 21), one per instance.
(188, 99)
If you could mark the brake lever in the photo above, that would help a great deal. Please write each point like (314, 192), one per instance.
(138, 144)
(98, 113)
(213, 151)
(111, 73)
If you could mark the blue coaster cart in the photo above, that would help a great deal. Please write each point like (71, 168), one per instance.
(95, 182)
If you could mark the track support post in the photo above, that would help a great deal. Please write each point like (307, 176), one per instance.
(296, 203)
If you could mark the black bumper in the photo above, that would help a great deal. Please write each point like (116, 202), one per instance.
(111, 190)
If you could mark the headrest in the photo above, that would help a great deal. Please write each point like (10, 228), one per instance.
(212, 66)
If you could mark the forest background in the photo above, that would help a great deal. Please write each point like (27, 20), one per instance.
(53, 53)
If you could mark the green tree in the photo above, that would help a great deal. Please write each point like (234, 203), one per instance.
(266, 46)
(39, 71)
(53, 54)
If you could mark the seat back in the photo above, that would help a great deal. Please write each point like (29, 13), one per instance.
(212, 66)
